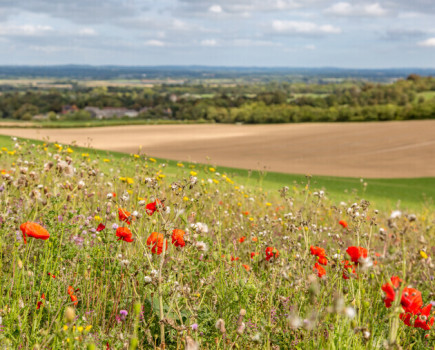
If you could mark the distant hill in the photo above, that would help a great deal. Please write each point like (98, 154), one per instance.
(205, 72)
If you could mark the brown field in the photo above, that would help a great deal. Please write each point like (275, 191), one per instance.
(376, 150)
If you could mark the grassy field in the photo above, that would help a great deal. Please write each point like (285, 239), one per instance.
(102, 250)
(415, 193)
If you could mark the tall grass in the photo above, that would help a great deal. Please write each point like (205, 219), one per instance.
(244, 279)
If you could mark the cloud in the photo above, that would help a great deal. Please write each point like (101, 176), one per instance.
(346, 9)
(153, 42)
(209, 42)
(87, 32)
(303, 28)
(24, 30)
(427, 43)
(215, 9)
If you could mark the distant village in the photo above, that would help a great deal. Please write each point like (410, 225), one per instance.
(106, 112)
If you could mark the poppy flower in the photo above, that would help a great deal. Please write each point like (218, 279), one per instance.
(124, 234)
(271, 253)
(390, 290)
(155, 242)
(124, 216)
(356, 253)
(242, 239)
(420, 318)
(70, 290)
(234, 258)
(150, 208)
(50, 274)
(177, 238)
(39, 304)
(319, 269)
(348, 269)
(343, 223)
(247, 268)
(32, 229)
(321, 255)
(100, 227)
(253, 254)
(254, 239)
(411, 300)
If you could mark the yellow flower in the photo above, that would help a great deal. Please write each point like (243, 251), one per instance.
(80, 329)
(4, 149)
(136, 156)
(123, 179)
(12, 152)
(251, 219)
(45, 148)
(423, 254)
(65, 327)
(181, 165)
(84, 155)
(88, 328)
(152, 160)
(192, 166)
(98, 218)
(239, 204)
(268, 204)
(185, 198)
(212, 169)
(69, 150)
(193, 173)
(130, 181)
(161, 176)
(215, 181)
(105, 160)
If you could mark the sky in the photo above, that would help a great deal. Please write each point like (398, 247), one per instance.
(264, 33)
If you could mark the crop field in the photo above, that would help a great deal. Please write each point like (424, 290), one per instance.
(103, 250)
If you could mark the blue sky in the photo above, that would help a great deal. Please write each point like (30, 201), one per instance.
(294, 33)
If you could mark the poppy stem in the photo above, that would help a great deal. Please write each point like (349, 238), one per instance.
(162, 315)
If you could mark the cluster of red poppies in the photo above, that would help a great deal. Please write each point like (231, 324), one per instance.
(414, 315)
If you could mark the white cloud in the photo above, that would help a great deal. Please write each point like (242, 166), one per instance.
(157, 43)
(24, 30)
(304, 28)
(209, 42)
(347, 10)
(215, 9)
(427, 43)
(87, 32)
(310, 47)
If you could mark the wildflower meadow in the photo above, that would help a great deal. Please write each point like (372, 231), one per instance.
(101, 252)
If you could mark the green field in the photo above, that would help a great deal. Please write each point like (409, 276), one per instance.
(413, 193)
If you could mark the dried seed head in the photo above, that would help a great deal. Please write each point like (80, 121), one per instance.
(220, 325)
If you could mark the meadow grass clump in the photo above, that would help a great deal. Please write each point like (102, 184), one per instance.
(110, 253)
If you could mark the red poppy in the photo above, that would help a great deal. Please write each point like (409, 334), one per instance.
(271, 253)
(246, 213)
(155, 242)
(152, 207)
(39, 304)
(177, 238)
(348, 269)
(100, 227)
(124, 215)
(254, 254)
(234, 258)
(321, 255)
(254, 239)
(343, 223)
(50, 274)
(319, 269)
(356, 253)
(247, 268)
(242, 239)
(113, 194)
(74, 299)
(390, 290)
(31, 229)
(420, 318)
(411, 300)
(124, 234)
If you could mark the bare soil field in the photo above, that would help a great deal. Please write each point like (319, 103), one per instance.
(371, 150)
